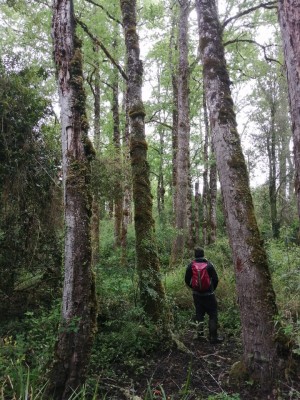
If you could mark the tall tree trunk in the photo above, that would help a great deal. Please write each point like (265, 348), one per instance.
(151, 289)
(127, 185)
(79, 306)
(95, 231)
(212, 196)
(271, 148)
(118, 192)
(95, 222)
(97, 97)
(205, 195)
(289, 19)
(174, 78)
(182, 157)
(255, 292)
(197, 213)
(190, 238)
(160, 181)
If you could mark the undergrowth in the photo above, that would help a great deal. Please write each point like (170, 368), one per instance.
(125, 337)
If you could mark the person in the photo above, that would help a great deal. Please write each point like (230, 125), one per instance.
(205, 302)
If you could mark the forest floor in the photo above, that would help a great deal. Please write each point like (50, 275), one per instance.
(200, 373)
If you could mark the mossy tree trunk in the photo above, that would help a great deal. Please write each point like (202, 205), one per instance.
(95, 221)
(205, 197)
(256, 297)
(152, 292)
(197, 201)
(118, 190)
(160, 179)
(182, 155)
(212, 196)
(127, 184)
(78, 305)
(271, 150)
(173, 55)
(289, 19)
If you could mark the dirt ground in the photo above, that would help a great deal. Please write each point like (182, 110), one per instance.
(200, 373)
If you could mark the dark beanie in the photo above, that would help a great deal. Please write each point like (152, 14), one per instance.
(199, 253)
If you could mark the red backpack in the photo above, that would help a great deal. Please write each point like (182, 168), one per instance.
(200, 277)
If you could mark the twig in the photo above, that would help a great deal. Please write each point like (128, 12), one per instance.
(103, 48)
(105, 10)
(269, 5)
(257, 44)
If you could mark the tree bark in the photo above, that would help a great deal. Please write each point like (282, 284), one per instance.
(212, 196)
(182, 156)
(151, 289)
(174, 79)
(271, 149)
(127, 184)
(289, 19)
(205, 195)
(197, 213)
(160, 180)
(255, 292)
(79, 305)
(118, 192)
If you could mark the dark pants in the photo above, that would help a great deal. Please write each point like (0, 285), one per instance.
(207, 305)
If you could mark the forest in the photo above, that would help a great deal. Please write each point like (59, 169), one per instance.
(136, 135)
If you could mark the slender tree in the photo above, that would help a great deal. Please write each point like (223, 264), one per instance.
(173, 55)
(205, 196)
(118, 191)
(255, 292)
(78, 306)
(182, 154)
(151, 289)
(289, 17)
(213, 190)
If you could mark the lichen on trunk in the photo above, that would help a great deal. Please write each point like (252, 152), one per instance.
(256, 297)
(152, 292)
(78, 319)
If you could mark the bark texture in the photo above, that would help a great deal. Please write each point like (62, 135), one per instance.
(182, 154)
(255, 293)
(174, 78)
(79, 305)
(289, 19)
(118, 190)
(151, 289)
(205, 196)
(212, 197)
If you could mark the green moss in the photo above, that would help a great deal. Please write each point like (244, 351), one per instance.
(77, 82)
(131, 29)
(204, 41)
(237, 161)
(238, 373)
(137, 110)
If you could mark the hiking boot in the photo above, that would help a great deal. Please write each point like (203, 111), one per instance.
(216, 340)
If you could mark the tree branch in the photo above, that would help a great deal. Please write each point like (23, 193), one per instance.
(269, 5)
(103, 48)
(105, 10)
(257, 44)
(152, 119)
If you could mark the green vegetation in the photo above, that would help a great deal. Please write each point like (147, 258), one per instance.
(125, 339)
(127, 343)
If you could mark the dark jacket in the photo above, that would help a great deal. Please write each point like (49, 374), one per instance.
(211, 272)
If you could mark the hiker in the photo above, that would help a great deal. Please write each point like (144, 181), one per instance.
(203, 285)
